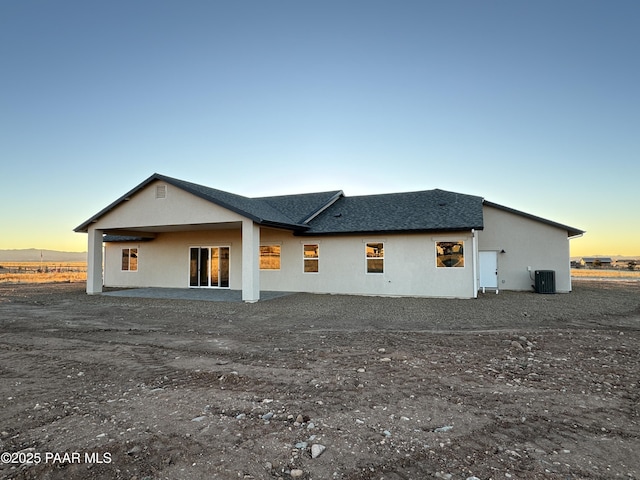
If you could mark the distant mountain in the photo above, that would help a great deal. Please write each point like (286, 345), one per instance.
(35, 255)
(612, 257)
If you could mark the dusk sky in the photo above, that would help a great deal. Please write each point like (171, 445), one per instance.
(531, 104)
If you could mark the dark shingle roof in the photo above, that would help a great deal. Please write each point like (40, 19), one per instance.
(267, 211)
(431, 210)
(302, 207)
(332, 213)
(257, 209)
(284, 210)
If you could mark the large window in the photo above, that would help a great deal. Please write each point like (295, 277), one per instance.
(311, 257)
(130, 259)
(449, 254)
(375, 257)
(270, 257)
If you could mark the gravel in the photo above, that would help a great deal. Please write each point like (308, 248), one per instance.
(514, 385)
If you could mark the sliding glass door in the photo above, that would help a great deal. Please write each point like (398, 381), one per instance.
(209, 267)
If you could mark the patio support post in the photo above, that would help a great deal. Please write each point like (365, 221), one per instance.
(475, 257)
(250, 261)
(94, 261)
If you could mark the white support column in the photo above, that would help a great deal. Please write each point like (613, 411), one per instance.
(94, 261)
(569, 256)
(250, 261)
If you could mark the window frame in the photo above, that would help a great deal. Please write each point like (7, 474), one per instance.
(129, 251)
(271, 245)
(368, 259)
(438, 255)
(309, 260)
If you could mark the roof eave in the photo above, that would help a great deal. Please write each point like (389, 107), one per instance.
(295, 227)
(389, 231)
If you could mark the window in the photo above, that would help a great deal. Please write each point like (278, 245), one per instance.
(375, 257)
(311, 258)
(270, 257)
(449, 254)
(130, 259)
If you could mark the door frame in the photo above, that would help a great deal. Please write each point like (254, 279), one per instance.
(209, 248)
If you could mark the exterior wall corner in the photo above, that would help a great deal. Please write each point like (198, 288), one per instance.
(94, 261)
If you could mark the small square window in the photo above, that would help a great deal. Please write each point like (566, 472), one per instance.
(375, 257)
(311, 258)
(130, 259)
(270, 257)
(450, 254)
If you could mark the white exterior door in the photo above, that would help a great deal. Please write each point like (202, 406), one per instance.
(489, 270)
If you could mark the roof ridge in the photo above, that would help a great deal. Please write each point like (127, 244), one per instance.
(296, 194)
(312, 210)
(431, 190)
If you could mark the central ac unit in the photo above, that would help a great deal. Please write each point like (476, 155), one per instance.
(545, 281)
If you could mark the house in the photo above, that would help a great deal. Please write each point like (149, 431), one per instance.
(597, 262)
(627, 263)
(171, 233)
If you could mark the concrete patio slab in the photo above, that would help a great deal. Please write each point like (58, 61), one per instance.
(204, 294)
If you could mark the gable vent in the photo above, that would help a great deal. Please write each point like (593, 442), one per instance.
(161, 191)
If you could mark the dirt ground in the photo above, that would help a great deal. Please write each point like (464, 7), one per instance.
(515, 385)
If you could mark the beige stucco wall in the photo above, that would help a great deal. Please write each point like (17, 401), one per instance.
(527, 243)
(164, 261)
(409, 266)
